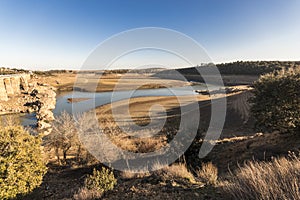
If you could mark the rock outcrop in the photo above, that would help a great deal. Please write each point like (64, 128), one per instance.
(13, 84)
(43, 102)
(3, 93)
(22, 93)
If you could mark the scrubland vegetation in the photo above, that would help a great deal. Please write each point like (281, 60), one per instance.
(278, 179)
(100, 181)
(22, 165)
(274, 107)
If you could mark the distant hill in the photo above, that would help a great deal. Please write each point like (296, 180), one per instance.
(254, 67)
(242, 68)
(232, 73)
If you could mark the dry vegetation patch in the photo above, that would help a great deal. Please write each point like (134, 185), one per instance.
(208, 174)
(175, 172)
(279, 179)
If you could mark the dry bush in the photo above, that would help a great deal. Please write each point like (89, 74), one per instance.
(279, 179)
(65, 139)
(122, 139)
(63, 135)
(86, 194)
(146, 145)
(173, 172)
(123, 142)
(208, 174)
(141, 145)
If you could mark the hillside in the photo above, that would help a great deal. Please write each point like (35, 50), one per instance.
(235, 73)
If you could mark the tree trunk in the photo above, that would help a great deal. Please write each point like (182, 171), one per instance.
(78, 153)
(57, 155)
(65, 155)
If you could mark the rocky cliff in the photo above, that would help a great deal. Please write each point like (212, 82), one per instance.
(11, 85)
(23, 93)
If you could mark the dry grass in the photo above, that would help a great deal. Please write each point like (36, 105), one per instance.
(146, 145)
(86, 194)
(279, 179)
(122, 139)
(174, 172)
(133, 174)
(9, 120)
(208, 174)
(238, 138)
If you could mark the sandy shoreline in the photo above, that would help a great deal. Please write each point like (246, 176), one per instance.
(106, 83)
(140, 106)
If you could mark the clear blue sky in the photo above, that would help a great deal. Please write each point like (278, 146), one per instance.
(61, 33)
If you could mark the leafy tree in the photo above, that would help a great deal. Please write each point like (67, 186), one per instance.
(21, 162)
(276, 104)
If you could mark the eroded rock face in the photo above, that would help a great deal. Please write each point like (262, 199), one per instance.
(3, 94)
(43, 102)
(11, 85)
(15, 85)
(24, 84)
(8, 87)
(20, 93)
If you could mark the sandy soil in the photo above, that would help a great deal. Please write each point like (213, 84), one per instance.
(90, 82)
(141, 108)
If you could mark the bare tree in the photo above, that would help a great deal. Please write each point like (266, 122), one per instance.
(63, 135)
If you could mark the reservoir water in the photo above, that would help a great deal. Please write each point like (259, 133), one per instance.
(96, 99)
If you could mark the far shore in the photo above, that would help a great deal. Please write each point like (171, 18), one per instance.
(66, 82)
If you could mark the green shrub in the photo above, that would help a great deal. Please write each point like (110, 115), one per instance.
(101, 180)
(276, 101)
(21, 162)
